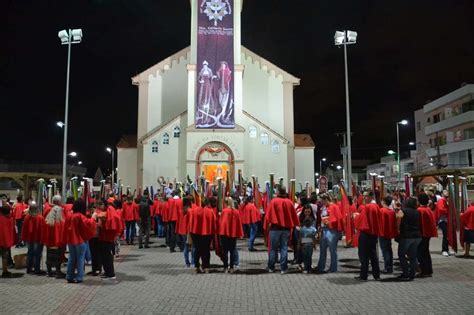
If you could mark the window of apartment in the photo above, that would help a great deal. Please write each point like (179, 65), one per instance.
(436, 118)
(165, 138)
(275, 146)
(469, 133)
(468, 106)
(154, 147)
(418, 126)
(252, 132)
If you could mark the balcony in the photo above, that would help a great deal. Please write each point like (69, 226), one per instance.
(452, 147)
(450, 122)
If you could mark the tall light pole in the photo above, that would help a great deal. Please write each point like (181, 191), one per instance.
(404, 123)
(321, 166)
(69, 37)
(347, 38)
(111, 151)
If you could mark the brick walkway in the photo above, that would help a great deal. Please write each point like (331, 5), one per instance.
(154, 281)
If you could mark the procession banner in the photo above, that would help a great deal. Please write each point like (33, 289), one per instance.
(215, 65)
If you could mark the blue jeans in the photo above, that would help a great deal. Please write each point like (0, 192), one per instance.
(130, 230)
(88, 256)
(186, 251)
(387, 253)
(159, 228)
(35, 251)
(443, 225)
(278, 241)
(77, 254)
(252, 234)
(307, 255)
(19, 225)
(236, 257)
(408, 247)
(329, 239)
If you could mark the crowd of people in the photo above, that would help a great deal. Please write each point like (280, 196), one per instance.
(91, 231)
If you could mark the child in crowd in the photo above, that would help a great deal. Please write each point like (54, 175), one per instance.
(306, 243)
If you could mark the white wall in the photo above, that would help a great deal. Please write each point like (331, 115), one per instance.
(304, 165)
(127, 166)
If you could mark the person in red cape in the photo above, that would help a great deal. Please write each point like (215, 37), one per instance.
(182, 229)
(368, 223)
(78, 229)
(18, 215)
(109, 224)
(428, 230)
(251, 216)
(332, 226)
(441, 212)
(157, 216)
(52, 238)
(389, 230)
(31, 232)
(280, 219)
(230, 228)
(130, 218)
(68, 206)
(175, 205)
(202, 227)
(117, 204)
(467, 223)
(7, 237)
(46, 208)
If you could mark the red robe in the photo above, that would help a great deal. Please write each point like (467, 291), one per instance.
(441, 208)
(18, 210)
(7, 231)
(67, 209)
(78, 229)
(336, 219)
(427, 222)
(202, 221)
(111, 227)
(182, 223)
(128, 211)
(175, 206)
(281, 212)
(250, 214)
(32, 228)
(467, 219)
(165, 209)
(46, 209)
(388, 223)
(53, 234)
(230, 224)
(368, 221)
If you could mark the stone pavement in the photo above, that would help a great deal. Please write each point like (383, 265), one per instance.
(154, 281)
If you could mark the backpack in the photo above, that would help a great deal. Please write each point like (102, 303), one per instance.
(144, 210)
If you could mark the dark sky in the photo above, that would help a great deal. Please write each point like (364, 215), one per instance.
(408, 52)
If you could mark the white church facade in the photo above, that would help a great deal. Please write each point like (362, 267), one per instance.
(261, 140)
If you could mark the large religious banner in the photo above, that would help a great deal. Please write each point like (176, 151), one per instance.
(215, 65)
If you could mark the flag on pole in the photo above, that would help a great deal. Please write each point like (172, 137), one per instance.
(272, 185)
(40, 195)
(228, 185)
(220, 195)
(407, 186)
(292, 191)
(348, 220)
(452, 216)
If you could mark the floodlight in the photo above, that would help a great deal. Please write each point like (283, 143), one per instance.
(351, 36)
(77, 34)
(339, 37)
(64, 36)
(404, 122)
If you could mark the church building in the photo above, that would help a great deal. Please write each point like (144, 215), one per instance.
(214, 107)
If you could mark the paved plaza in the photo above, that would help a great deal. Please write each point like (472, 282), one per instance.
(154, 281)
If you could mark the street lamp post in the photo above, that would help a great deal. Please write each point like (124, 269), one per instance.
(111, 151)
(72, 36)
(347, 38)
(404, 123)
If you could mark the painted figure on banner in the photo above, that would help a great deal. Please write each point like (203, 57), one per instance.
(224, 75)
(206, 99)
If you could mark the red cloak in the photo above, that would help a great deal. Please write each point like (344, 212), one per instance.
(427, 222)
(32, 228)
(174, 207)
(19, 209)
(128, 211)
(336, 220)
(467, 219)
(7, 232)
(388, 223)
(202, 221)
(441, 208)
(67, 209)
(111, 227)
(230, 223)
(281, 212)
(78, 229)
(368, 221)
(53, 234)
(182, 223)
(250, 214)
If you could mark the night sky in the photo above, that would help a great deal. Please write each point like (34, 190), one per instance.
(408, 52)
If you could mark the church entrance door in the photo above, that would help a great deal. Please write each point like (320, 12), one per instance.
(214, 160)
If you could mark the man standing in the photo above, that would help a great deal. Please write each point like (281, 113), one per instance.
(441, 212)
(428, 230)
(389, 230)
(367, 222)
(279, 220)
(144, 221)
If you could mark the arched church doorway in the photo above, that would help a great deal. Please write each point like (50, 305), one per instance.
(214, 159)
